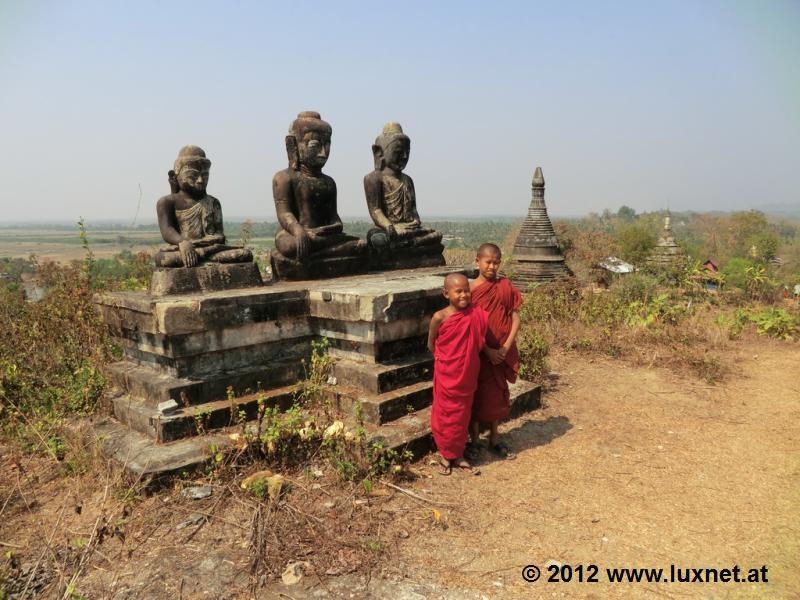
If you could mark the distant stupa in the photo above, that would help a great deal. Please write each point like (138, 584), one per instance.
(536, 256)
(666, 250)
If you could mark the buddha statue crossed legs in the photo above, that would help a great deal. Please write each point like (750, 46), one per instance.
(392, 204)
(190, 220)
(305, 202)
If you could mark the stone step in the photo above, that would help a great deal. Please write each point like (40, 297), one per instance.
(198, 418)
(208, 364)
(378, 378)
(151, 386)
(141, 457)
(382, 408)
(413, 431)
(342, 348)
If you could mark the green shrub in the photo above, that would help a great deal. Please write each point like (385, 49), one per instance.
(51, 352)
(775, 322)
(735, 273)
(636, 241)
(533, 351)
(771, 321)
(636, 287)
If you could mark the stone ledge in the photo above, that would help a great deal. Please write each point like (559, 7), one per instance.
(140, 456)
(151, 386)
(383, 408)
(200, 418)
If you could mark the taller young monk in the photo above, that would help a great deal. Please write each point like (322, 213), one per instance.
(500, 359)
(456, 337)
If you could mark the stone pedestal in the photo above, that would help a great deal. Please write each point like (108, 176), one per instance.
(407, 257)
(210, 277)
(286, 269)
(195, 348)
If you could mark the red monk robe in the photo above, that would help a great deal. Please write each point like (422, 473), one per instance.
(499, 298)
(455, 376)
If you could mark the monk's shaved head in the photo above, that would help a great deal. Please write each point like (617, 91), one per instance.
(455, 279)
(489, 248)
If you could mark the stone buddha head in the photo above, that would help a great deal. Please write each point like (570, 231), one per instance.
(191, 171)
(309, 141)
(391, 148)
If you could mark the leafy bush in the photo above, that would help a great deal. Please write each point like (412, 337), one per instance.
(775, 322)
(635, 242)
(636, 287)
(735, 272)
(51, 352)
(126, 271)
(533, 350)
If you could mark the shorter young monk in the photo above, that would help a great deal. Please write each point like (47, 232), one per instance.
(456, 337)
(500, 359)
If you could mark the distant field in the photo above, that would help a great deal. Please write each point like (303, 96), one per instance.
(63, 244)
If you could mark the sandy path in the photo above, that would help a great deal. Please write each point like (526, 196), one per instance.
(634, 467)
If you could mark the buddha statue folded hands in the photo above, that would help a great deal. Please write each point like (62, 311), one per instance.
(190, 220)
(399, 239)
(310, 242)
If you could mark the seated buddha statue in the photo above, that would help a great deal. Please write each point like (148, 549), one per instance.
(392, 201)
(310, 228)
(190, 220)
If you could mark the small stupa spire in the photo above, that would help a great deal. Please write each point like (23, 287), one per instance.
(536, 256)
(538, 178)
(666, 250)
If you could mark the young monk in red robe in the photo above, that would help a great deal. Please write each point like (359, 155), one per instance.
(456, 336)
(500, 359)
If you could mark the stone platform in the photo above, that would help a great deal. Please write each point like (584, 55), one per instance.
(210, 352)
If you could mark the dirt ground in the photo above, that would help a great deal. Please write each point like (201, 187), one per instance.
(623, 467)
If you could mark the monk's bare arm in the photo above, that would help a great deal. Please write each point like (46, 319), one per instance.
(433, 329)
(493, 354)
(512, 335)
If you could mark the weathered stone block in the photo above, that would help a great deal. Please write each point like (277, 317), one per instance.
(148, 384)
(382, 408)
(377, 352)
(286, 269)
(217, 340)
(209, 277)
(378, 378)
(194, 419)
(409, 258)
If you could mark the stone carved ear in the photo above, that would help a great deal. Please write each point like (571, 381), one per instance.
(292, 152)
(377, 152)
(173, 182)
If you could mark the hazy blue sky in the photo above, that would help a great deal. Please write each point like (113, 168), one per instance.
(692, 104)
